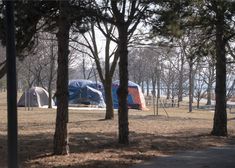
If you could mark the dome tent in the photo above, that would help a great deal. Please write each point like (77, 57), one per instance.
(86, 92)
(34, 97)
(135, 97)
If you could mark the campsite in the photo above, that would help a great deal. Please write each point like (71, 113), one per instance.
(115, 83)
(94, 140)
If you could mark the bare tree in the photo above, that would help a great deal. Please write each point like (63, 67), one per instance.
(230, 84)
(39, 68)
(138, 65)
(49, 51)
(189, 45)
(209, 77)
(200, 90)
(126, 17)
(110, 59)
(181, 70)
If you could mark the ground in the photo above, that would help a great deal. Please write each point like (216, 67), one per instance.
(93, 141)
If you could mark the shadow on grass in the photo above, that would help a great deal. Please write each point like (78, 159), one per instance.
(161, 117)
(40, 147)
(92, 164)
(3, 151)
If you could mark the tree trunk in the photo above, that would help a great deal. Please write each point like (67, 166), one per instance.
(168, 93)
(181, 75)
(108, 99)
(172, 101)
(180, 93)
(158, 84)
(37, 76)
(198, 103)
(60, 136)
(147, 82)
(154, 87)
(190, 86)
(3, 70)
(193, 83)
(49, 95)
(52, 64)
(209, 88)
(142, 87)
(210, 83)
(83, 67)
(123, 87)
(172, 95)
(12, 124)
(220, 115)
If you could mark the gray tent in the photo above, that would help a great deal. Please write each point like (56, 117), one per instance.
(34, 97)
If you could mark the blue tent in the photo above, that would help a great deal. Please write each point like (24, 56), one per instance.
(86, 92)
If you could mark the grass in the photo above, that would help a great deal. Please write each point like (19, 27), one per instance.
(93, 141)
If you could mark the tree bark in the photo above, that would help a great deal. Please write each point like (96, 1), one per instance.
(210, 83)
(123, 87)
(153, 86)
(3, 70)
(209, 88)
(198, 103)
(108, 99)
(158, 83)
(83, 67)
(220, 115)
(12, 121)
(190, 85)
(52, 65)
(168, 92)
(142, 87)
(180, 93)
(60, 136)
(181, 75)
(147, 82)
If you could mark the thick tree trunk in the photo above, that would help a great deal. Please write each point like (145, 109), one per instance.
(123, 87)
(60, 136)
(220, 115)
(108, 99)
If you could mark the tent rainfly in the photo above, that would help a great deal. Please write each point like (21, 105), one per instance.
(135, 99)
(86, 92)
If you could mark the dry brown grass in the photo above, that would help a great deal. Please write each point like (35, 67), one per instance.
(93, 141)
